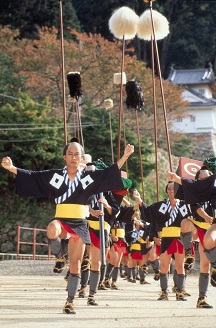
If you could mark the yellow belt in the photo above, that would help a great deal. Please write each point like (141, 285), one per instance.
(71, 211)
(120, 233)
(135, 247)
(203, 225)
(142, 241)
(96, 225)
(170, 232)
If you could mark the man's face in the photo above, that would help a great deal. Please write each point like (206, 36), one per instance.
(170, 190)
(73, 156)
(203, 174)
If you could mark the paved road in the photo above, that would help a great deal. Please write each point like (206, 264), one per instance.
(37, 301)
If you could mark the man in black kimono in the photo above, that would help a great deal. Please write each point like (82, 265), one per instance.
(198, 191)
(69, 189)
(165, 219)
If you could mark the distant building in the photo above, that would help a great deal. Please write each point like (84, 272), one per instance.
(200, 123)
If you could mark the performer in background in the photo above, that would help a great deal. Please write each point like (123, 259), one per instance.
(155, 247)
(198, 191)
(132, 271)
(193, 229)
(139, 253)
(118, 243)
(69, 189)
(111, 208)
(165, 218)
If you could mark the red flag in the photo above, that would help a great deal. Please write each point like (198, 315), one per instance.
(188, 167)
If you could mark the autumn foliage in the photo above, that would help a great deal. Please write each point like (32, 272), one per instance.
(97, 60)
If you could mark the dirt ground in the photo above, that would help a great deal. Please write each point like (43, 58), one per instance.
(37, 301)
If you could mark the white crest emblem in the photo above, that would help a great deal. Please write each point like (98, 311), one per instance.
(86, 181)
(163, 208)
(57, 180)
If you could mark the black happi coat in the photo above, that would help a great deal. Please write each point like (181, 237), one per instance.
(125, 214)
(206, 206)
(134, 235)
(197, 191)
(160, 215)
(56, 186)
(110, 219)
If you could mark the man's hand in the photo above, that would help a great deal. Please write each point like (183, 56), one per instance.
(96, 213)
(104, 202)
(114, 238)
(8, 165)
(157, 241)
(136, 194)
(129, 149)
(171, 176)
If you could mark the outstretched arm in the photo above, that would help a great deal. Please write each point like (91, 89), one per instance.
(136, 195)
(127, 203)
(174, 177)
(204, 215)
(8, 165)
(129, 149)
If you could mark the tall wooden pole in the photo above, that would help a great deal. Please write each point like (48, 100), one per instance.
(63, 72)
(161, 87)
(155, 119)
(120, 100)
(140, 156)
(111, 141)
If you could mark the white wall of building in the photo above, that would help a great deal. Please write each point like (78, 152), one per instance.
(197, 121)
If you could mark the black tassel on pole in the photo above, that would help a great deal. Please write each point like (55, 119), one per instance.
(74, 84)
(135, 98)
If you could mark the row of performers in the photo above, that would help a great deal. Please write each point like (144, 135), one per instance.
(165, 232)
(70, 189)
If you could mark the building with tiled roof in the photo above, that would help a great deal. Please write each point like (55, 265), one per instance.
(200, 123)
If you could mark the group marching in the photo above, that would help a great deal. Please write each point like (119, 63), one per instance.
(137, 236)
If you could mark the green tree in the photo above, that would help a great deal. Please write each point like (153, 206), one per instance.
(32, 135)
(191, 24)
(29, 15)
(10, 80)
(182, 146)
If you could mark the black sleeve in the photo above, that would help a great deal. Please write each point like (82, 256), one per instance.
(115, 208)
(125, 214)
(32, 184)
(145, 213)
(107, 179)
(194, 208)
(198, 191)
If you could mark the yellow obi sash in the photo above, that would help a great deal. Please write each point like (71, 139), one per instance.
(96, 225)
(170, 232)
(120, 233)
(142, 241)
(202, 225)
(135, 247)
(71, 211)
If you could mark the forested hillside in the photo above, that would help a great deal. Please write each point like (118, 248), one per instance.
(190, 44)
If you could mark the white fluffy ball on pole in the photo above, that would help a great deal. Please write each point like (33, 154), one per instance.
(161, 26)
(108, 103)
(123, 23)
(118, 77)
